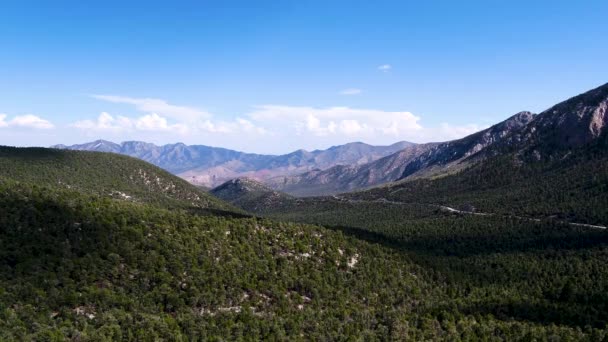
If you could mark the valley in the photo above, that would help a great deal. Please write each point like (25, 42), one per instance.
(500, 235)
(349, 171)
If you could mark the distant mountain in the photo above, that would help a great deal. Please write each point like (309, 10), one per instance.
(175, 158)
(551, 134)
(414, 161)
(549, 166)
(344, 178)
(211, 166)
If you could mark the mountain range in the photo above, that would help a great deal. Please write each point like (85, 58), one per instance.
(547, 166)
(211, 166)
(550, 134)
(356, 166)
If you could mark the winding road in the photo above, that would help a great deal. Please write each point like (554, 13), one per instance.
(462, 212)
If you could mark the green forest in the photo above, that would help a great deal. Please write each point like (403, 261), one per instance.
(81, 263)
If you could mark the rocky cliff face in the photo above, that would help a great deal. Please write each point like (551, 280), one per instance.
(565, 126)
(455, 154)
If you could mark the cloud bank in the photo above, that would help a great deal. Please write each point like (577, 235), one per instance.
(269, 128)
(25, 121)
(270, 125)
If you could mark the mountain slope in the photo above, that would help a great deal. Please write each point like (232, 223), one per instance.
(344, 178)
(422, 160)
(104, 174)
(576, 122)
(80, 267)
(77, 264)
(551, 134)
(212, 166)
(554, 167)
(460, 153)
(250, 195)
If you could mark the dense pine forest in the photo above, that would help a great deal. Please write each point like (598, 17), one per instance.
(105, 174)
(349, 171)
(91, 268)
(116, 257)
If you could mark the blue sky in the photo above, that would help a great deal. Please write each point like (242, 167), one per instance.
(275, 76)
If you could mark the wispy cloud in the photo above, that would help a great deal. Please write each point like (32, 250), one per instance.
(344, 124)
(26, 121)
(267, 126)
(334, 120)
(149, 122)
(351, 91)
(160, 116)
(162, 107)
(385, 67)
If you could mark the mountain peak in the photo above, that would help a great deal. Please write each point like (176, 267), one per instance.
(249, 194)
(243, 185)
(523, 117)
(571, 123)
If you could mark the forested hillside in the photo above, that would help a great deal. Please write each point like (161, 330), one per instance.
(103, 174)
(83, 267)
(251, 195)
(514, 269)
(572, 188)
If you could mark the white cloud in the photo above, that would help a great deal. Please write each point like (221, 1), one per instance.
(248, 126)
(149, 122)
(351, 91)
(335, 120)
(152, 122)
(105, 122)
(26, 121)
(186, 120)
(385, 67)
(339, 125)
(446, 131)
(350, 127)
(162, 107)
(267, 128)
